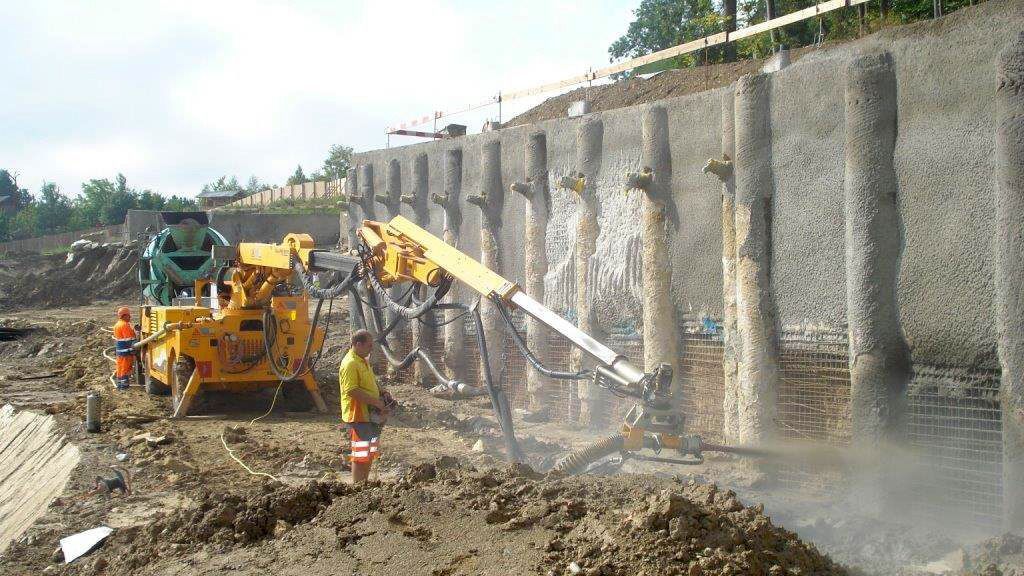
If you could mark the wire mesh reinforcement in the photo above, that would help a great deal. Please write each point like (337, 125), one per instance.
(955, 427)
(702, 383)
(814, 388)
(813, 402)
(562, 403)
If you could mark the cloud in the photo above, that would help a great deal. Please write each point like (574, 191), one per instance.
(177, 93)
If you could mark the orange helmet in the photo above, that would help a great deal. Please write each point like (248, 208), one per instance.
(124, 312)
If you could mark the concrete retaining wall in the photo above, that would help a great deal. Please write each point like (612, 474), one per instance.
(921, 271)
(242, 227)
(943, 165)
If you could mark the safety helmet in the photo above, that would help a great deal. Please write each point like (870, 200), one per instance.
(124, 312)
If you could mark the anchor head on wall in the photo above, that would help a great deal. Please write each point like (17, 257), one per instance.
(490, 197)
(720, 168)
(523, 188)
(640, 180)
(576, 182)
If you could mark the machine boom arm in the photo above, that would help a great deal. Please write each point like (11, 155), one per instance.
(402, 251)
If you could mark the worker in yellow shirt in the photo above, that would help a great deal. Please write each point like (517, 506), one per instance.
(364, 406)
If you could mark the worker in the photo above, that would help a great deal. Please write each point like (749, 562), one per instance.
(124, 339)
(364, 405)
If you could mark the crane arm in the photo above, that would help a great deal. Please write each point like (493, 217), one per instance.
(401, 251)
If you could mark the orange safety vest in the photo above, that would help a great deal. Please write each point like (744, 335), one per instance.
(124, 338)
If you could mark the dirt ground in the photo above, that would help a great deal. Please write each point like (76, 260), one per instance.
(443, 501)
(438, 506)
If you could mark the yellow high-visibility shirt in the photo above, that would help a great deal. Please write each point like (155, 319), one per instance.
(355, 373)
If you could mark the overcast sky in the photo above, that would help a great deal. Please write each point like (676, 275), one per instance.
(175, 94)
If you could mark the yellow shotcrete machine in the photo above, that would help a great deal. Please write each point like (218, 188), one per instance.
(255, 330)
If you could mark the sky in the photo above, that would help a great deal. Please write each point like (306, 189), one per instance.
(175, 94)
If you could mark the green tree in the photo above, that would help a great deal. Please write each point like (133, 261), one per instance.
(9, 187)
(149, 200)
(661, 24)
(104, 202)
(339, 160)
(254, 185)
(298, 177)
(179, 204)
(224, 184)
(53, 210)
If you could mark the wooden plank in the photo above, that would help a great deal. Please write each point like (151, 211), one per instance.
(790, 18)
(505, 96)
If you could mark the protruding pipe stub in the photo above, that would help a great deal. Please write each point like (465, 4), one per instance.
(523, 188)
(478, 200)
(439, 199)
(382, 198)
(641, 180)
(721, 168)
(574, 182)
(408, 199)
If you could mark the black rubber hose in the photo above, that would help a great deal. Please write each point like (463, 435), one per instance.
(525, 351)
(499, 401)
(390, 355)
(406, 312)
(323, 293)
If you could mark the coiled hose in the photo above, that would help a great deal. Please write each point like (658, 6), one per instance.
(578, 461)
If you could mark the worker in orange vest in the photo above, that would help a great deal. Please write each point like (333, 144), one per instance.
(124, 338)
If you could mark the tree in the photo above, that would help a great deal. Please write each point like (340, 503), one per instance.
(178, 204)
(149, 200)
(339, 160)
(729, 18)
(661, 24)
(254, 185)
(298, 177)
(53, 210)
(224, 184)
(9, 187)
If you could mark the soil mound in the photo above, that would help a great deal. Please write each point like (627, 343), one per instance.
(510, 520)
(89, 272)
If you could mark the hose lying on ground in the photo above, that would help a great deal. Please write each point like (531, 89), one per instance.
(577, 461)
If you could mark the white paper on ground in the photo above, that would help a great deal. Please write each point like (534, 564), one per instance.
(79, 544)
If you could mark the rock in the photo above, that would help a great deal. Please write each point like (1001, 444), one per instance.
(574, 568)
(422, 473)
(176, 465)
(479, 446)
(281, 528)
(57, 555)
(151, 440)
(234, 434)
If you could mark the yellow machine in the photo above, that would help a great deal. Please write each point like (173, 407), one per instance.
(261, 333)
(256, 335)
